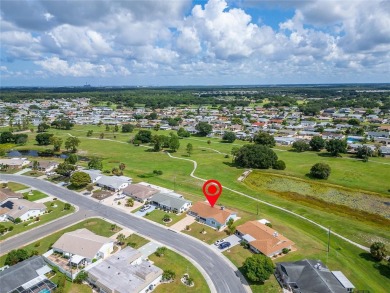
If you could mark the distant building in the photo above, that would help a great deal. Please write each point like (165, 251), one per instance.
(27, 276)
(311, 276)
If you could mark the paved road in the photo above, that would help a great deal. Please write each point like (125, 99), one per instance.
(216, 266)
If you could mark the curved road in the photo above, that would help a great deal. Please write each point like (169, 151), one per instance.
(216, 266)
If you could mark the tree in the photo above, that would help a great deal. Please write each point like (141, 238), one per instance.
(300, 146)
(95, 163)
(317, 143)
(364, 152)
(183, 133)
(80, 179)
(89, 133)
(145, 136)
(121, 238)
(258, 268)
(203, 128)
(129, 202)
(72, 159)
(157, 127)
(35, 165)
(320, 171)
(160, 251)
(229, 136)
(56, 142)
(378, 250)
(65, 169)
(42, 127)
(174, 142)
(15, 256)
(264, 138)
(336, 146)
(122, 166)
(189, 149)
(116, 128)
(127, 128)
(81, 276)
(43, 138)
(6, 137)
(279, 165)
(20, 138)
(256, 156)
(354, 122)
(101, 135)
(234, 151)
(107, 127)
(72, 143)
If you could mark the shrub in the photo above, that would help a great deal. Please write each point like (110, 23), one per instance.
(37, 219)
(168, 275)
(160, 251)
(10, 228)
(67, 206)
(279, 165)
(17, 220)
(320, 171)
(285, 250)
(37, 244)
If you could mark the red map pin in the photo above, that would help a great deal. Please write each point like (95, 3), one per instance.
(212, 189)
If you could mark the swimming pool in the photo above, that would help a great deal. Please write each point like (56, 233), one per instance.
(44, 291)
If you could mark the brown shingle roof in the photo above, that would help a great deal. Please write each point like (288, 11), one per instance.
(266, 240)
(6, 193)
(140, 191)
(204, 210)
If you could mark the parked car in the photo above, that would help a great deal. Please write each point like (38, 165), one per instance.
(218, 242)
(145, 207)
(224, 245)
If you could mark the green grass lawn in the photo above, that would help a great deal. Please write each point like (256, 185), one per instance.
(16, 186)
(33, 173)
(36, 194)
(311, 241)
(98, 226)
(175, 262)
(211, 235)
(237, 255)
(135, 241)
(56, 213)
(157, 216)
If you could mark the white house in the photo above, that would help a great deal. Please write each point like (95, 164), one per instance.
(82, 246)
(20, 208)
(114, 183)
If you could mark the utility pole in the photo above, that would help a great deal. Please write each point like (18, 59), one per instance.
(257, 206)
(327, 252)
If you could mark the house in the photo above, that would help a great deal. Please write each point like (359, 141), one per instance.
(45, 166)
(311, 276)
(27, 276)
(263, 239)
(20, 208)
(216, 217)
(125, 272)
(82, 246)
(6, 194)
(170, 202)
(14, 163)
(113, 183)
(139, 192)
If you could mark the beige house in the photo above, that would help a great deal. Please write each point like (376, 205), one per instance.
(20, 208)
(139, 192)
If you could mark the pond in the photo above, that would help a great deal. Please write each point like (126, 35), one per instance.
(31, 153)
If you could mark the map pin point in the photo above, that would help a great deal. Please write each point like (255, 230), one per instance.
(212, 189)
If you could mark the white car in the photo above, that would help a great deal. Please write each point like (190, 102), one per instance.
(218, 242)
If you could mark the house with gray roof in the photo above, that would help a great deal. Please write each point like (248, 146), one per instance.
(27, 276)
(171, 202)
(113, 183)
(307, 276)
(82, 246)
(20, 208)
(125, 272)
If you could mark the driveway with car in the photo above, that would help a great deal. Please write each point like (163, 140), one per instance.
(141, 213)
(233, 239)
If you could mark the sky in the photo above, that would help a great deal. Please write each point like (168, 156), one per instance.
(202, 42)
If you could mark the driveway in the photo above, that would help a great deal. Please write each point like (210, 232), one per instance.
(233, 239)
(181, 225)
(148, 249)
(142, 214)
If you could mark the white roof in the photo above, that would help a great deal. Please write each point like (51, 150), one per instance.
(264, 221)
(343, 279)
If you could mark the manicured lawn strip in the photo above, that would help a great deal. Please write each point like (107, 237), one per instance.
(36, 194)
(157, 216)
(211, 235)
(237, 255)
(56, 213)
(33, 174)
(175, 262)
(72, 287)
(135, 241)
(16, 186)
(95, 225)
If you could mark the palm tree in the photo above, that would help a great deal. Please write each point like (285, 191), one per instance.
(129, 202)
(122, 166)
(121, 238)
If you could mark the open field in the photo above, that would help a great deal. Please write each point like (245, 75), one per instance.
(57, 212)
(98, 226)
(175, 262)
(310, 240)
